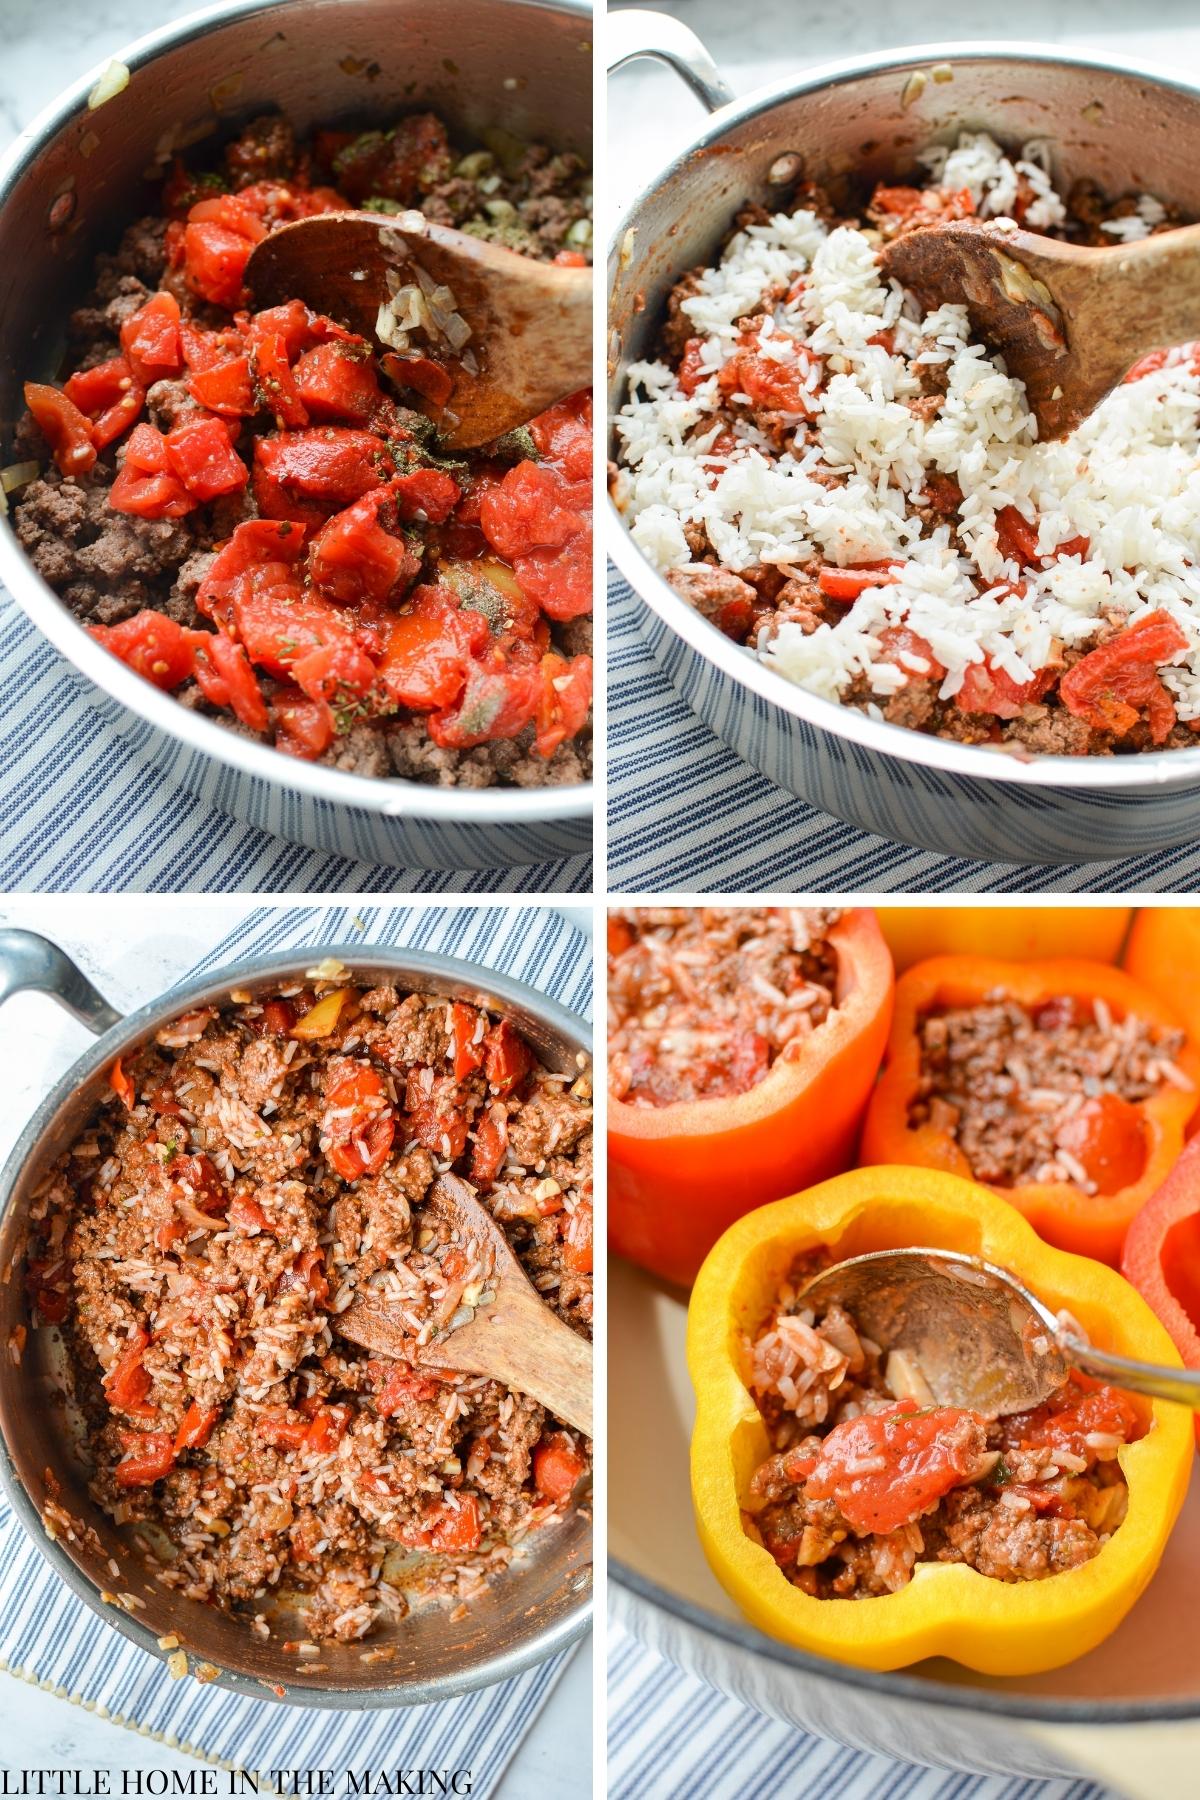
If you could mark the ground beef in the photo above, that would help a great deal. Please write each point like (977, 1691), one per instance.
(197, 1245)
(1018, 1498)
(1016, 1089)
(702, 1000)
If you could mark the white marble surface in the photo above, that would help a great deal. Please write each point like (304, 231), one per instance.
(133, 949)
(652, 115)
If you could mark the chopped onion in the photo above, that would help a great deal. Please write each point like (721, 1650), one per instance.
(18, 475)
(457, 331)
(113, 81)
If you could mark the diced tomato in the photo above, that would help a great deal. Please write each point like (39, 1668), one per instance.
(533, 508)
(491, 1142)
(150, 339)
(691, 373)
(421, 373)
(339, 673)
(307, 1271)
(281, 1432)
(358, 1119)
(156, 647)
(498, 701)
(898, 642)
(303, 727)
(565, 699)
(274, 384)
(507, 1058)
(246, 1214)
(303, 474)
(355, 559)
(1148, 364)
(149, 496)
(563, 434)
(67, 431)
(456, 1528)
(217, 241)
(110, 396)
(52, 1304)
(204, 349)
(291, 321)
(200, 454)
(1081, 1408)
(122, 1085)
(199, 1177)
(398, 1386)
(570, 259)
(1076, 546)
(260, 544)
(226, 388)
(196, 1427)
(781, 386)
(222, 670)
(986, 688)
(426, 494)
(923, 1457)
(1108, 1136)
(436, 1117)
(127, 1383)
(278, 1017)
(847, 584)
(557, 1467)
(1112, 686)
(149, 1456)
(1017, 538)
(334, 382)
(428, 650)
(577, 1239)
(467, 1026)
(326, 1430)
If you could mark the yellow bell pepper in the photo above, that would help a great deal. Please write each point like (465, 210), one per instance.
(947, 1609)
(1013, 932)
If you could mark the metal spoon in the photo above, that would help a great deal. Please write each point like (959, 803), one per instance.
(1070, 320)
(979, 1338)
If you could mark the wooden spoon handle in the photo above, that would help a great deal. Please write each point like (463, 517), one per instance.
(1149, 291)
(520, 1342)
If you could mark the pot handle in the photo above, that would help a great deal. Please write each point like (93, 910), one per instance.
(30, 961)
(635, 31)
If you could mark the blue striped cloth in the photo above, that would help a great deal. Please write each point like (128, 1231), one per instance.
(671, 1737)
(686, 814)
(48, 1636)
(81, 810)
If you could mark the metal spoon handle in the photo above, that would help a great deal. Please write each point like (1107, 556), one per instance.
(1181, 1385)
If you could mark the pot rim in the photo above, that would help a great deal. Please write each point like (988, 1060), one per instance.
(1144, 770)
(895, 1684)
(133, 1028)
(392, 796)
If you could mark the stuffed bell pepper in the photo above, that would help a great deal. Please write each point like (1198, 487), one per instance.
(1163, 953)
(1162, 1256)
(848, 1515)
(1013, 932)
(743, 1043)
(1065, 1085)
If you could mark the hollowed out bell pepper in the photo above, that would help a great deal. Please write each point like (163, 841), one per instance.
(679, 1174)
(1017, 932)
(1163, 953)
(1162, 1256)
(947, 1609)
(1061, 1212)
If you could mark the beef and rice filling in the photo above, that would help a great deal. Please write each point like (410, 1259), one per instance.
(1043, 1095)
(255, 1167)
(869, 1477)
(702, 1000)
(853, 488)
(254, 509)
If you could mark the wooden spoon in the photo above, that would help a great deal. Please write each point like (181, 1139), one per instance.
(514, 1337)
(1069, 320)
(530, 322)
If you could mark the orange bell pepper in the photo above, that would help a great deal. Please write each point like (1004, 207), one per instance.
(1062, 1212)
(1162, 1256)
(679, 1174)
(1163, 953)
(1014, 932)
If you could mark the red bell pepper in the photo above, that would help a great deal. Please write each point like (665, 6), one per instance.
(1162, 1256)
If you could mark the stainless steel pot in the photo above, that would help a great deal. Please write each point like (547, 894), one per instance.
(539, 1606)
(1108, 120)
(521, 64)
